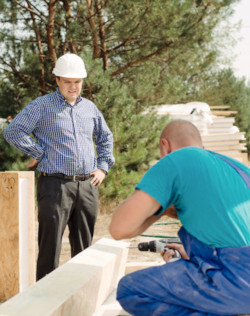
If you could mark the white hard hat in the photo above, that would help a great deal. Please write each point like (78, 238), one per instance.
(70, 66)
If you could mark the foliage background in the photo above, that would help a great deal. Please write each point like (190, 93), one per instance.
(137, 53)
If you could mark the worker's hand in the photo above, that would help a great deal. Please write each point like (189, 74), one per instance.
(169, 254)
(99, 176)
(32, 163)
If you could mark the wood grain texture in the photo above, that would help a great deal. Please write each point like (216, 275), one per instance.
(17, 232)
(9, 235)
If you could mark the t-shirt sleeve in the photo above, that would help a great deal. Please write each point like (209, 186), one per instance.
(160, 182)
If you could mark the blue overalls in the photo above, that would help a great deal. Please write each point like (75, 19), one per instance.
(215, 281)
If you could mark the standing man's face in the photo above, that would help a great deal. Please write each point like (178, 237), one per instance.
(70, 88)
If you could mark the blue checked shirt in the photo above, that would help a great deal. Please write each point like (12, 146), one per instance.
(64, 135)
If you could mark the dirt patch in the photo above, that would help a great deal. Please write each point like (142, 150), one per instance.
(101, 230)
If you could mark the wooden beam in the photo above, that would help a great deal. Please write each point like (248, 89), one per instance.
(222, 137)
(17, 232)
(226, 113)
(78, 287)
(9, 237)
(111, 307)
(219, 107)
(233, 142)
(221, 147)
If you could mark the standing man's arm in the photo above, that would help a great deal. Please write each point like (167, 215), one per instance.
(134, 215)
(104, 150)
(18, 131)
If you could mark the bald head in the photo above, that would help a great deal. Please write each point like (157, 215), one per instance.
(179, 134)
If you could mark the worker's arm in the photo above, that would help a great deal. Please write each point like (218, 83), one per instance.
(171, 212)
(134, 215)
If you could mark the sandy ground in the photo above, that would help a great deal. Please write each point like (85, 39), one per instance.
(101, 230)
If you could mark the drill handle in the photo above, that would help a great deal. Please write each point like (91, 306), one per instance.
(176, 253)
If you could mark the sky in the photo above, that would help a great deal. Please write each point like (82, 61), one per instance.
(241, 62)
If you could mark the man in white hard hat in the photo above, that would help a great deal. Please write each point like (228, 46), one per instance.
(63, 124)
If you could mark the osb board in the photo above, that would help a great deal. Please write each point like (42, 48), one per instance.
(9, 235)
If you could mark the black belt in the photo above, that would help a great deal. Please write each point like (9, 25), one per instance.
(64, 176)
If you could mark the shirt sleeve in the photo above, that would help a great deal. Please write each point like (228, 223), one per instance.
(160, 182)
(104, 143)
(18, 131)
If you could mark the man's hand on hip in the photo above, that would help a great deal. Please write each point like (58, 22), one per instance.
(32, 163)
(99, 176)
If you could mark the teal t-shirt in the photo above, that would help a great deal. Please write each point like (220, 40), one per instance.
(211, 198)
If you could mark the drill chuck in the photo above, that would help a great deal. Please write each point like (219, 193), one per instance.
(152, 246)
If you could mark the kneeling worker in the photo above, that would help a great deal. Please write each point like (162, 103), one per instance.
(211, 197)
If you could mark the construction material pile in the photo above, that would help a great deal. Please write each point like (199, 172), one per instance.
(216, 125)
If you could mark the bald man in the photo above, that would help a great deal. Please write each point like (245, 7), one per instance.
(210, 195)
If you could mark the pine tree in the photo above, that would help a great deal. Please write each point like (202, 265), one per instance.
(137, 53)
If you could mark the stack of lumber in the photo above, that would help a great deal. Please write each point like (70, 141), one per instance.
(216, 125)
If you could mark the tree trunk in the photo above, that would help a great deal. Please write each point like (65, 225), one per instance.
(50, 31)
(91, 20)
(104, 53)
(70, 42)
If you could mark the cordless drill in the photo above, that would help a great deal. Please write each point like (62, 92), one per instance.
(159, 246)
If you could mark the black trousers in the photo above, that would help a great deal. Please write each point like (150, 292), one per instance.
(63, 202)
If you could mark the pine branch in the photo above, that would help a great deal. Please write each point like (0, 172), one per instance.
(141, 59)
(130, 38)
(30, 10)
(25, 79)
(39, 45)
(102, 35)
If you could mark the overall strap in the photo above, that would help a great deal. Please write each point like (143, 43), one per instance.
(245, 176)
